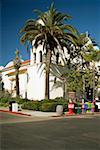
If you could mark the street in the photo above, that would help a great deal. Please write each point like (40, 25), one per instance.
(23, 133)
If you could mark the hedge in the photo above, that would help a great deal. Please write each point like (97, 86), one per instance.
(30, 105)
(46, 105)
(4, 100)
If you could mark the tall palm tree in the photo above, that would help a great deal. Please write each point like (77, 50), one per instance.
(17, 64)
(51, 31)
(70, 74)
(83, 45)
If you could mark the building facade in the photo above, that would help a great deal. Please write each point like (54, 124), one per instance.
(32, 76)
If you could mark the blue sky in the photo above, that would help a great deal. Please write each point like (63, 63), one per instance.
(14, 13)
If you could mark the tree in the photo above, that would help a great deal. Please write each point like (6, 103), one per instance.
(51, 31)
(69, 78)
(17, 64)
(93, 57)
(77, 76)
(84, 47)
(87, 53)
(1, 82)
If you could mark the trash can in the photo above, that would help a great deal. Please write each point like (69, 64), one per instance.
(10, 105)
(59, 110)
(14, 107)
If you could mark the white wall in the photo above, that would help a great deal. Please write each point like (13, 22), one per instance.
(6, 80)
(23, 84)
(36, 84)
(55, 92)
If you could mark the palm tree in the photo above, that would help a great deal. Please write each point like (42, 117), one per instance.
(83, 45)
(70, 74)
(93, 57)
(17, 64)
(51, 31)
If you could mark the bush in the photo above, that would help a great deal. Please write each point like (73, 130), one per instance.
(46, 105)
(5, 97)
(4, 104)
(19, 100)
(49, 107)
(4, 100)
(30, 105)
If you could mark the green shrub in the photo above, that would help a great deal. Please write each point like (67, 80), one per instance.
(46, 101)
(45, 105)
(4, 100)
(31, 105)
(4, 104)
(48, 107)
(19, 100)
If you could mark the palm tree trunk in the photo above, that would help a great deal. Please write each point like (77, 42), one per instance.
(64, 92)
(47, 85)
(48, 61)
(17, 83)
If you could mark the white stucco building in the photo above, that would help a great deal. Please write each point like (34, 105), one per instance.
(31, 80)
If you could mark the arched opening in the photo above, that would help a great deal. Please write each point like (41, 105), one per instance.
(34, 57)
(57, 58)
(40, 56)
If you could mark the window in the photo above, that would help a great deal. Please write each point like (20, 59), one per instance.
(40, 56)
(55, 79)
(57, 58)
(34, 57)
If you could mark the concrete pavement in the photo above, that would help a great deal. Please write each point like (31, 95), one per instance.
(30, 112)
(61, 133)
(48, 114)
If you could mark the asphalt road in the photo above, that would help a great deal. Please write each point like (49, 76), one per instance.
(56, 134)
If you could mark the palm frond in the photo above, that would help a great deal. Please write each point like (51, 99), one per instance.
(57, 85)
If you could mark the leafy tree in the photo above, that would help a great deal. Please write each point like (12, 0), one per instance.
(77, 76)
(69, 79)
(92, 58)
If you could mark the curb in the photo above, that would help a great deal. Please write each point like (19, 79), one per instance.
(16, 113)
(77, 115)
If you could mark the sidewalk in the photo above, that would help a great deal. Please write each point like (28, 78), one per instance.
(48, 114)
(30, 112)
